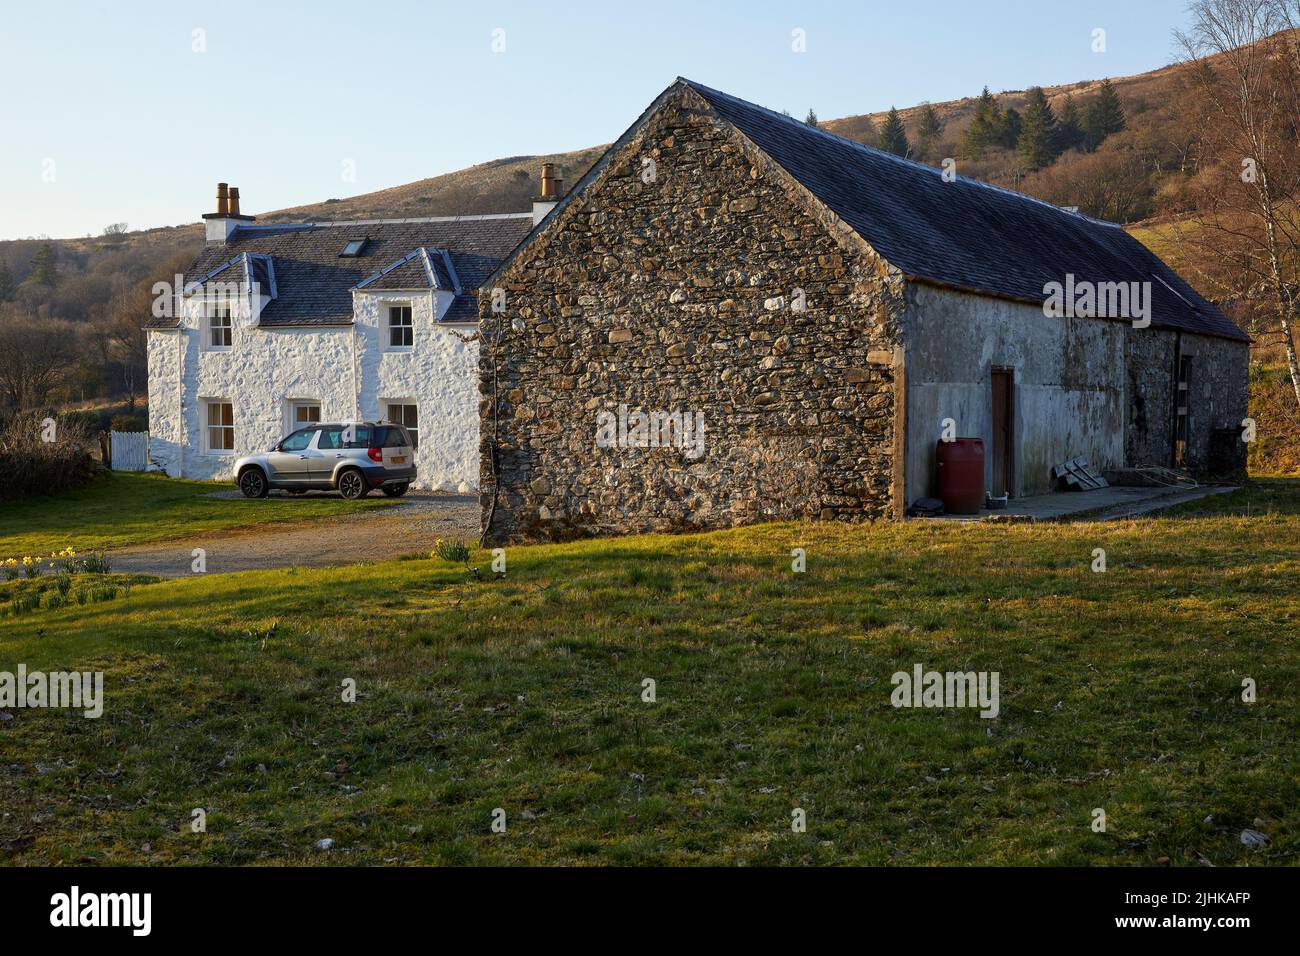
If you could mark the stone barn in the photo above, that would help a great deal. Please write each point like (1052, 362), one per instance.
(736, 317)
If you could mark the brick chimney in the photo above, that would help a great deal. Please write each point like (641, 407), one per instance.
(223, 222)
(552, 190)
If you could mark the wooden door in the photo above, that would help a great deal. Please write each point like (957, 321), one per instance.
(1002, 455)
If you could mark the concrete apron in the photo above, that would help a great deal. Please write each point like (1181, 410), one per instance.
(1103, 504)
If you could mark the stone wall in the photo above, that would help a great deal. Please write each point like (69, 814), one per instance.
(1217, 400)
(673, 288)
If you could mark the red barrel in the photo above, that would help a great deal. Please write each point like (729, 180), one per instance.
(960, 467)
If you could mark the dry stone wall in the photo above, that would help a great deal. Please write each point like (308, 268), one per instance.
(691, 282)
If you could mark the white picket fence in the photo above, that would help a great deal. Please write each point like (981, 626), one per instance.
(129, 450)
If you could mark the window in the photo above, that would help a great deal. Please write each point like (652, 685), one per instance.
(221, 425)
(304, 413)
(331, 437)
(298, 441)
(353, 248)
(389, 438)
(404, 413)
(360, 437)
(219, 327)
(400, 331)
(1182, 411)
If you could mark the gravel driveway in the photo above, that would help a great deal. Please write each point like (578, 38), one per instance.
(409, 526)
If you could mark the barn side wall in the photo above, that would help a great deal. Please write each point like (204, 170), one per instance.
(1091, 388)
(677, 293)
(1068, 387)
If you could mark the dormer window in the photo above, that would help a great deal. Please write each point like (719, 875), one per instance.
(353, 248)
(401, 333)
(219, 327)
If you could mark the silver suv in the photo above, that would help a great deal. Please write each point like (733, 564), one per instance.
(352, 457)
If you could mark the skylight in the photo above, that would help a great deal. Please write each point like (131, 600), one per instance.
(353, 248)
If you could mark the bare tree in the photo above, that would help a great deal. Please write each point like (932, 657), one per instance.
(36, 356)
(1242, 72)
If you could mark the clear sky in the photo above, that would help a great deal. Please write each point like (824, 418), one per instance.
(131, 111)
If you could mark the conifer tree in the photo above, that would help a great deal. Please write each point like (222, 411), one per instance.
(1038, 134)
(44, 267)
(986, 127)
(1069, 125)
(893, 137)
(928, 130)
(8, 288)
(1104, 116)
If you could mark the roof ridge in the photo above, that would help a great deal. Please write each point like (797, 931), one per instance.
(892, 157)
(343, 223)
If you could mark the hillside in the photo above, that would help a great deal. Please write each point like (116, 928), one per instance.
(509, 184)
(1137, 174)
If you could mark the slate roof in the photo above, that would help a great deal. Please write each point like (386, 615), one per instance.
(421, 268)
(314, 283)
(964, 233)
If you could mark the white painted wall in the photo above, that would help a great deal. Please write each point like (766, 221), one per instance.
(347, 369)
(1069, 392)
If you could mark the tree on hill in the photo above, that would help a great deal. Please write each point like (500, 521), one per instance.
(8, 288)
(1069, 125)
(1244, 107)
(1039, 135)
(928, 130)
(987, 126)
(1009, 130)
(811, 118)
(893, 137)
(1103, 117)
(44, 267)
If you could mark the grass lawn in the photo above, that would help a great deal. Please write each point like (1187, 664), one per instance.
(124, 508)
(1119, 690)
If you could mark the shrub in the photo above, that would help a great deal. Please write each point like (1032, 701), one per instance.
(30, 465)
(451, 550)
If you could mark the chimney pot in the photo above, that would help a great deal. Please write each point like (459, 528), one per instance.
(223, 201)
(550, 184)
(234, 200)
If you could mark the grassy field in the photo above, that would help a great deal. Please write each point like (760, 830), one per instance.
(124, 508)
(1119, 690)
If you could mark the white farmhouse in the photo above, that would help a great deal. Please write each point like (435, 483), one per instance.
(281, 324)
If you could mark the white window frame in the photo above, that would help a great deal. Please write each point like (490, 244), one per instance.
(389, 308)
(296, 404)
(388, 403)
(208, 405)
(211, 315)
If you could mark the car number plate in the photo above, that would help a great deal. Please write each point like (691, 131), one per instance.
(398, 459)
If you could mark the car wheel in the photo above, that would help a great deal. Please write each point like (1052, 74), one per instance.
(394, 491)
(352, 484)
(253, 483)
